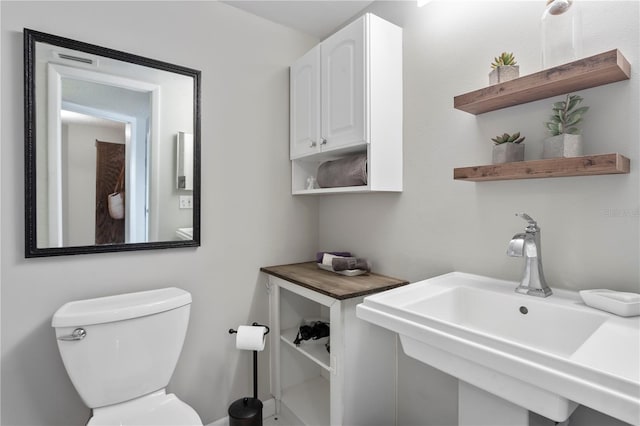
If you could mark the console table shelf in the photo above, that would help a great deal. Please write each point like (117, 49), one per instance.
(555, 167)
(597, 70)
(329, 381)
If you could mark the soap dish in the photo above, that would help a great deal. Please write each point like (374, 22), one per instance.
(347, 272)
(616, 302)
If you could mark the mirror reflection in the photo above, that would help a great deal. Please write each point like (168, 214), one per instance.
(113, 154)
(184, 155)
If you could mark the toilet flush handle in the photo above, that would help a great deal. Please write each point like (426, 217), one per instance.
(77, 334)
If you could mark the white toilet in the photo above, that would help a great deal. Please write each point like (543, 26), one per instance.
(120, 352)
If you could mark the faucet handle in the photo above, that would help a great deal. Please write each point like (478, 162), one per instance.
(533, 225)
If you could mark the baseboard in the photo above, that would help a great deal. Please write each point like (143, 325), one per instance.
(268, 410)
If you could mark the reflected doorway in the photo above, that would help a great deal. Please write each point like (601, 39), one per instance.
(119, 101)
(83, 169)
(110, 174)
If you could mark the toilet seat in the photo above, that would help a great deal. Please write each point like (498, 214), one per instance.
(155, 409)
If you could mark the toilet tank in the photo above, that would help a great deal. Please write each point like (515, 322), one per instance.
(131, 346)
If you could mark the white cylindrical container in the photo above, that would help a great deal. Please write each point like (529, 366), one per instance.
(561, 33)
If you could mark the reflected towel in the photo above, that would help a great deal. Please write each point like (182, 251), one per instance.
(347, 171)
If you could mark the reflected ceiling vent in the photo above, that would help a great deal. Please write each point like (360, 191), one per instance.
(65, 57)
(75, 58)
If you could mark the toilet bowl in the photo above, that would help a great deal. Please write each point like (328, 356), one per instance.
(120, 353)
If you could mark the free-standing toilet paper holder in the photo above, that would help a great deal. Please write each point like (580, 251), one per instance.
(248, 411)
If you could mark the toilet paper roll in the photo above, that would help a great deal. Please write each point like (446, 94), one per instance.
(250, 338)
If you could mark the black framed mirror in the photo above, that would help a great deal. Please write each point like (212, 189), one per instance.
(112, 150)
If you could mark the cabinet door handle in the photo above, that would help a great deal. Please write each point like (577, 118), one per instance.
(312, 144)
(323, 141)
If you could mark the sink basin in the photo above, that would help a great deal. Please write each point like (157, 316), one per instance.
(527, 322)
(546, 355)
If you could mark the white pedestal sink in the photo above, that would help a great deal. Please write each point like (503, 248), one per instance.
(479, 408)
(546, 355)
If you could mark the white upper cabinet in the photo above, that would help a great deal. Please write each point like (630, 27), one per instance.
(346, 98)
(305, 104)
(343, 80)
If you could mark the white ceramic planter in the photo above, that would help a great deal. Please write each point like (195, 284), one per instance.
(508, 152)
(562, 146)
(504, 73)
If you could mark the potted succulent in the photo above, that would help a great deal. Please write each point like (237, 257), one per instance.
(504, 68)
(508, 148)
(565, 140)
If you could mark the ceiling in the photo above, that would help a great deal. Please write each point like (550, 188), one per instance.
(318, 18)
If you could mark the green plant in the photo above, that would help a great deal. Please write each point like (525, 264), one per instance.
(504, 59)
(566, 116)
(507, 138)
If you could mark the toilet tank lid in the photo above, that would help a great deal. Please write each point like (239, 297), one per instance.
(120, 307)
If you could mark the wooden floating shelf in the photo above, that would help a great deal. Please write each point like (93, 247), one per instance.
(555, 167)
(597, 70)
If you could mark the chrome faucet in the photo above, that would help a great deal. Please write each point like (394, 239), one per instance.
(527, 245)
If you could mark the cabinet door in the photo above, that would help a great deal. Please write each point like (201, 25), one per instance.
(343, 87)
(305, 104)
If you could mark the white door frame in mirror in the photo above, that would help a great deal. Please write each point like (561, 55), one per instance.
(142, 207)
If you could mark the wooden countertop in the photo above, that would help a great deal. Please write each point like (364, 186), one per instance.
(331, 284)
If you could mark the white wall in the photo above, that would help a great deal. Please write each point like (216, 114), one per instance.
(590, 225)
(249, 218)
